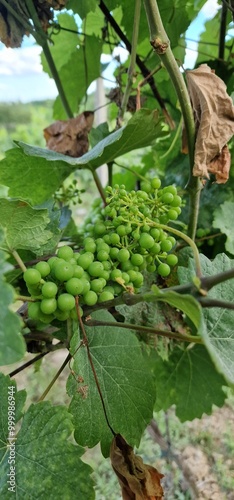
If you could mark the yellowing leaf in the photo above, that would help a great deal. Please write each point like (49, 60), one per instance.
(138, 481)
(214, 119)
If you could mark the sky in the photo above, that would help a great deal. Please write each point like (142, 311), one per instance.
(22, 78)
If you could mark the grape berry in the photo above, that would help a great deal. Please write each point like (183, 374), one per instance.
(120, 241)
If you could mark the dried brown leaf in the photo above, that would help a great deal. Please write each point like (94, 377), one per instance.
(70, 137)
(138, 481)
(214, 119)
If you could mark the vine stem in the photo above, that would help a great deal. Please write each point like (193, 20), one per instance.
(162, 333)
(131, 69)
(36, 358)
(161, 45)
(66, 361)
(19, 260)
(42, 41)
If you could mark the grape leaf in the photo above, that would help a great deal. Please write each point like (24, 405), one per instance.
(223, 220)
(185, 303)
(63, 44)
(20, 171)
(46, 464)
(125, 380)
(78, 73)
(83, 7)
(217, 327)
(25, 227)
(181, 381)
(12, 345)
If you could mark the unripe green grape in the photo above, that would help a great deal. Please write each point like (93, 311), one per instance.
(145, 228)
(146, 241)
(170, 189)
(104, 296)
(66, 302)
(63, 271)
(48, 306)
(106, 237)
(34, 310)
(99, 228)
(114, 252)
(121, 230)
(114, 238)
(136, 234)
(172, 214)
(43, 268)
(155, 249)
(101, 245)
(132, 275)
(155, 233)
(85, 260)
(109, 288)
(46, 318)
(86, 284)
(74, 286)
(49, 289)
(172, 260)
(95, 269)
(200, 233)
(163, 219)
(164, 270)
(116, 273)
(172, 240)
(123, 255)
(118, 289)
(52, 261)
(142, 195)
(89, 245)
(90, 298)
(167, 198)
(151, 268)
(166, 245)
(156, 183)
(137, 259)
(177, 201)
(146, 186)
(107, 265)
(125, 266)
(97, 285)
(65, 252)
(32, 276)
(102, 255)
(105, 274)
(78, 271)
(125, 277)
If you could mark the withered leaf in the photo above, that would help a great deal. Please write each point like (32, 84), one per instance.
(70, 137)
(214, 120)
(138, 481)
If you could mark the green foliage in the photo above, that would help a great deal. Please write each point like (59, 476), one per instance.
(125, 381)
(106, 285)
(181, 380)
(43, 438)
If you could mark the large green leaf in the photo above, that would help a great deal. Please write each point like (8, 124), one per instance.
(31, 179)
(185, 303)
(25, 227)
(190, 381)
(125, 381)
(217, 329)
(223, 220)
(12, 345)
(78, 73)
(46, 463)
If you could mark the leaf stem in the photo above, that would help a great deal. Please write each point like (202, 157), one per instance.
(131, 69)
(36, 358)
(140, 328)
(161, 45)
(42, 41)
(19, 260)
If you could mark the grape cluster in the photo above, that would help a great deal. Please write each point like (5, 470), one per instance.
(118, 244)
